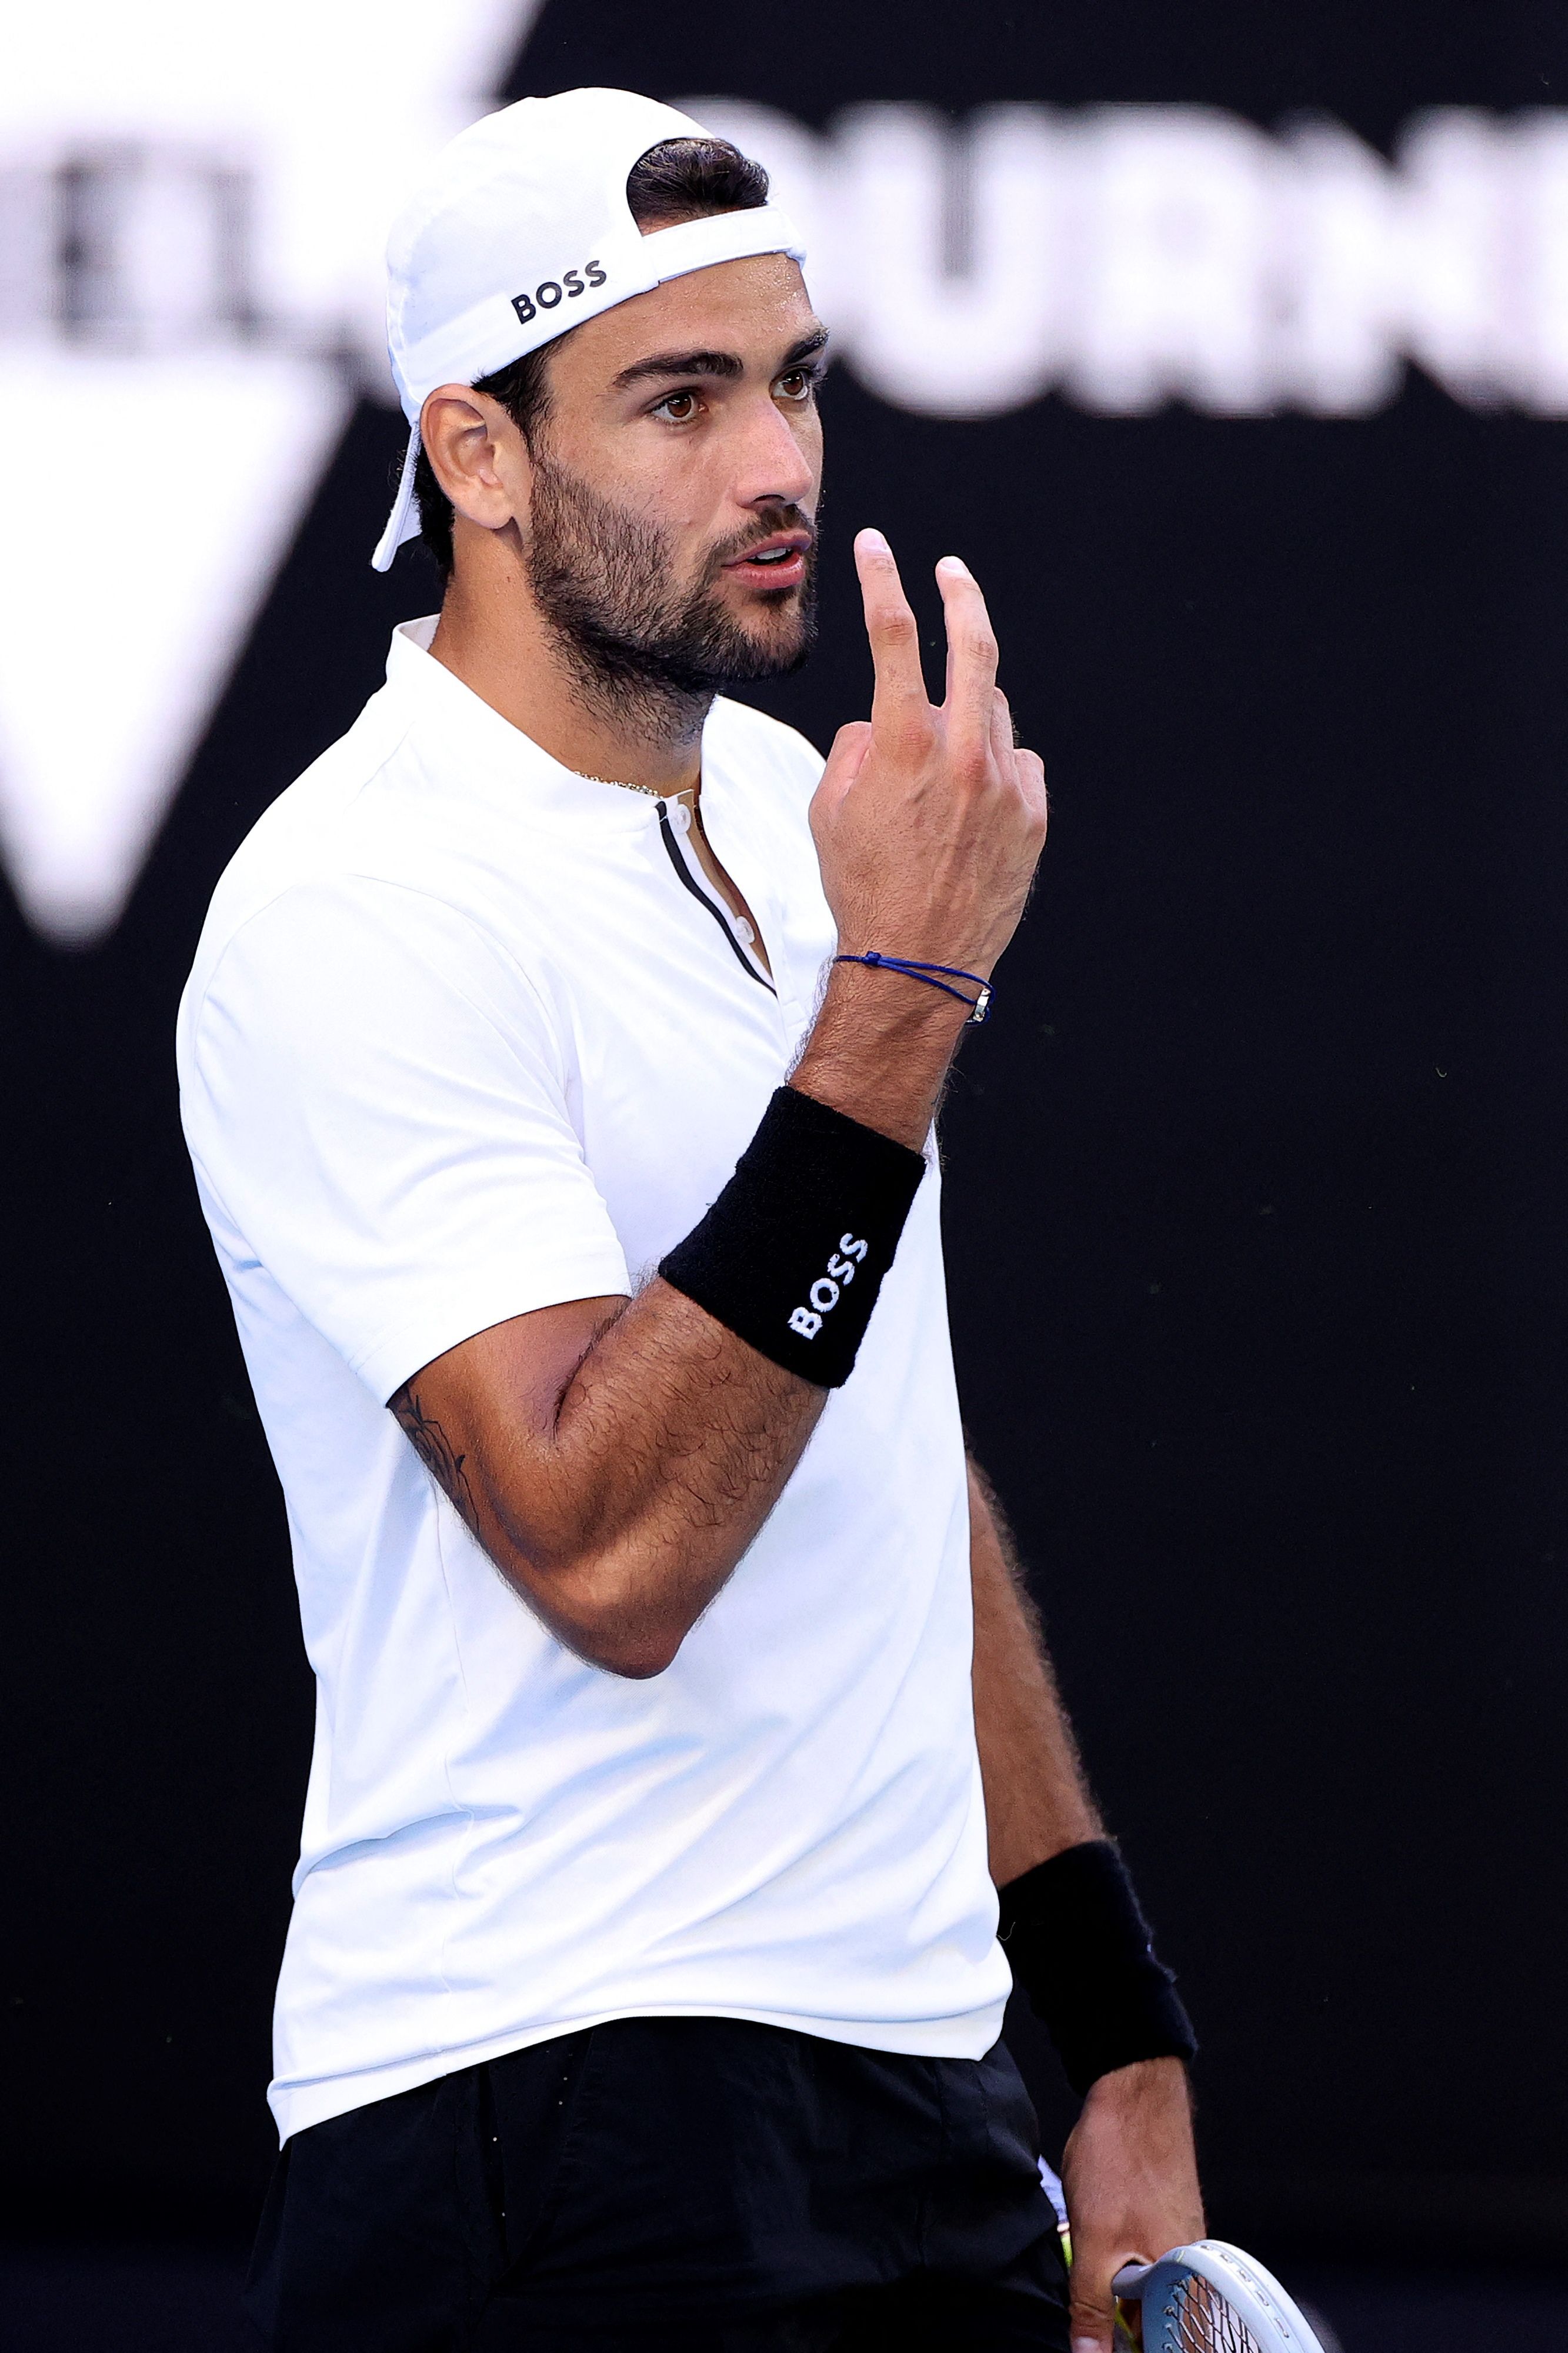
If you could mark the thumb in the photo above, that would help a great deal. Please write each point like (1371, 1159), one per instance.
(845, 762)
(1092, 2308)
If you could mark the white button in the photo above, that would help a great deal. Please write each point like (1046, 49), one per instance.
(681, 818)
(745, 930)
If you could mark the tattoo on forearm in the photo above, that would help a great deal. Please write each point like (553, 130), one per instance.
(439, 1455)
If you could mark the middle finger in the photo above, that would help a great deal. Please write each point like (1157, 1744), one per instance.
(971, 653)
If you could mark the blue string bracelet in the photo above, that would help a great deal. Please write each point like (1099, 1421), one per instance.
(979, 1005)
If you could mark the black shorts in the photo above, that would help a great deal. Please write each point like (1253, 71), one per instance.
(695, 2185)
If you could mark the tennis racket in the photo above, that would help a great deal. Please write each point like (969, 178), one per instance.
(1211, 2298)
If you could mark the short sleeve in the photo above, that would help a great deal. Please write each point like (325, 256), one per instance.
(375, 1094)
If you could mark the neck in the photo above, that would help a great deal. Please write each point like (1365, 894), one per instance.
(493, 637)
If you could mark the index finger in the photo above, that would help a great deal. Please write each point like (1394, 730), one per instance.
(900, 689)
(971, 651)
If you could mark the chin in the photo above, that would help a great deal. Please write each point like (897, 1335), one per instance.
(776, 617)
(781, 649)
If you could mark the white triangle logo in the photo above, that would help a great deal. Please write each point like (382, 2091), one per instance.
(186, 256)
(111, 659)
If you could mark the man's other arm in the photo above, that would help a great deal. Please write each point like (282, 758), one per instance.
(1036, 1800)
(1129, 2169)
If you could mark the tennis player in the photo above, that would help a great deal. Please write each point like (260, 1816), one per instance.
(559, 1067)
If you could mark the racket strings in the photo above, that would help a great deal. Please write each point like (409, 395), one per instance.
(1203, 2321)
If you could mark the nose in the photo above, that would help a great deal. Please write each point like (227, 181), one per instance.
(774, 467)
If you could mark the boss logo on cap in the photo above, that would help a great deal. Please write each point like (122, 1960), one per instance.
(555, 290)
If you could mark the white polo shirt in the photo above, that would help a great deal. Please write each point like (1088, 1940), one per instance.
(469, 1035)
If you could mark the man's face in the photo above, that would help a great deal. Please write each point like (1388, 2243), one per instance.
(673, 487)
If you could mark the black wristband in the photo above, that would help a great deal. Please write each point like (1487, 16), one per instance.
(792, 1254)
(1080, 1949)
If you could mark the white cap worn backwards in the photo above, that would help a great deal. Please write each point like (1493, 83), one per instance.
(520, 230)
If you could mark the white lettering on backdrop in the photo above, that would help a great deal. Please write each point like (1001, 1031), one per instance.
(1128, 256)
(192, 228)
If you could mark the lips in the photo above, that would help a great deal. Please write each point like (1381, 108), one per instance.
(775, 562)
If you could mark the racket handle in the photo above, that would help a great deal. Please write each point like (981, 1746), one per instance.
(1129, 2281)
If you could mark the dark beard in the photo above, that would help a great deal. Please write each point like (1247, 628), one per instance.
(640, 650)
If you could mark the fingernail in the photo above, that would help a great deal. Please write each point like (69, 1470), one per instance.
(1086, 2345)
(956, 563)
(872, 541)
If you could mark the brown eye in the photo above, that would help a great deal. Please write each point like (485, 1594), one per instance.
(681, 407)
(797, 384)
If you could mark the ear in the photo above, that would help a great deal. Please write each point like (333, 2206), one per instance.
(478, 455)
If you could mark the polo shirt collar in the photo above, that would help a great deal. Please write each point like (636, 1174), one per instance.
(466, 745)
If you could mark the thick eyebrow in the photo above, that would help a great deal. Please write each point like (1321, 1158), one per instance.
(718, 364)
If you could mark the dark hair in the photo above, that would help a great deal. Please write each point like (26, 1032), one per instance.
(679, 180)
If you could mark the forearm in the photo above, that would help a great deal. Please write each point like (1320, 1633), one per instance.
(619, 1515)
(1038, 1802)
(616, 1460)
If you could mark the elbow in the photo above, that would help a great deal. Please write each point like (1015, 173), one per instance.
(635, 1662)
(634, 1653)
(584, 1604)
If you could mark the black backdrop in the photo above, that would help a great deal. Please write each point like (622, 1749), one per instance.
(1257, 1254)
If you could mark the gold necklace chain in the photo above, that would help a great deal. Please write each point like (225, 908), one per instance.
(624, 785)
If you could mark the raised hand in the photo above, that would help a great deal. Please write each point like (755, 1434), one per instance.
(929, 823)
